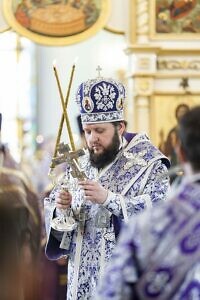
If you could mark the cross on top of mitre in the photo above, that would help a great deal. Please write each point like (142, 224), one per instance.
(99, 69)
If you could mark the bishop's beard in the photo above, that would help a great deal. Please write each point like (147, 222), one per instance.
(108, 155)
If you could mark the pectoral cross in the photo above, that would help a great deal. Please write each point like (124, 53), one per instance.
(68, 156)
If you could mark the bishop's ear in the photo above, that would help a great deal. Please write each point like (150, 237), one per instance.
(180, 152)
(121, 127)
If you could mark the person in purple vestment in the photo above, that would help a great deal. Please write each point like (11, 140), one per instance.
(158, 252)
(121, 179)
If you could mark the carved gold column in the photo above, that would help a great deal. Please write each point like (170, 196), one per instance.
(143, 66)
(143, 91)
(142, 19)
(130, 106)
(137, 30)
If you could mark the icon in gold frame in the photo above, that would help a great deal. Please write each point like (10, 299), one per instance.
(56, 22)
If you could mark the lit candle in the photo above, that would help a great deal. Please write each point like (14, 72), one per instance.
(62, 119)
(58, 81)
(64, 114)
(66, 103)
(75, 60)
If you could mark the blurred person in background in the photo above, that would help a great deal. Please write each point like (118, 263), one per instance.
(20, 234)
(169, 148)
(21, 187)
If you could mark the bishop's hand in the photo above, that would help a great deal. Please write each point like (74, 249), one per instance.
(63, 200)
(94, 191)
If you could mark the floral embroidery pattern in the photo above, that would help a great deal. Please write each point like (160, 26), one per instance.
(101, 99)
(107, 116)
(137, 158)
(105, 95)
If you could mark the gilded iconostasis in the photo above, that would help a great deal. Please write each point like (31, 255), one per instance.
(153, 48)
(163, 113)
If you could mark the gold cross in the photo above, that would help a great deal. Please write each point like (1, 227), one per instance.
(66, 155)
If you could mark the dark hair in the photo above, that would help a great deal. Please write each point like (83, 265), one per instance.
(189, 135)
(20, 233)
(79, 122)
(182, 105)
(118, 123)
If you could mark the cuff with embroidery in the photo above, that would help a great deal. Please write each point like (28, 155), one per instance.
(109, 198)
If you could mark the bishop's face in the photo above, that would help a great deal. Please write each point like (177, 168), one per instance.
(103, 141)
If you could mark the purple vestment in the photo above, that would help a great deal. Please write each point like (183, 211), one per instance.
(133, 183)
(158, 253)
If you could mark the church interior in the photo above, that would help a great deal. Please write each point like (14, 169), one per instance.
(47, 48)
(158, 65)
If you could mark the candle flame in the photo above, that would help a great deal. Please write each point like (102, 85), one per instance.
(54, 63)
(75, 60)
